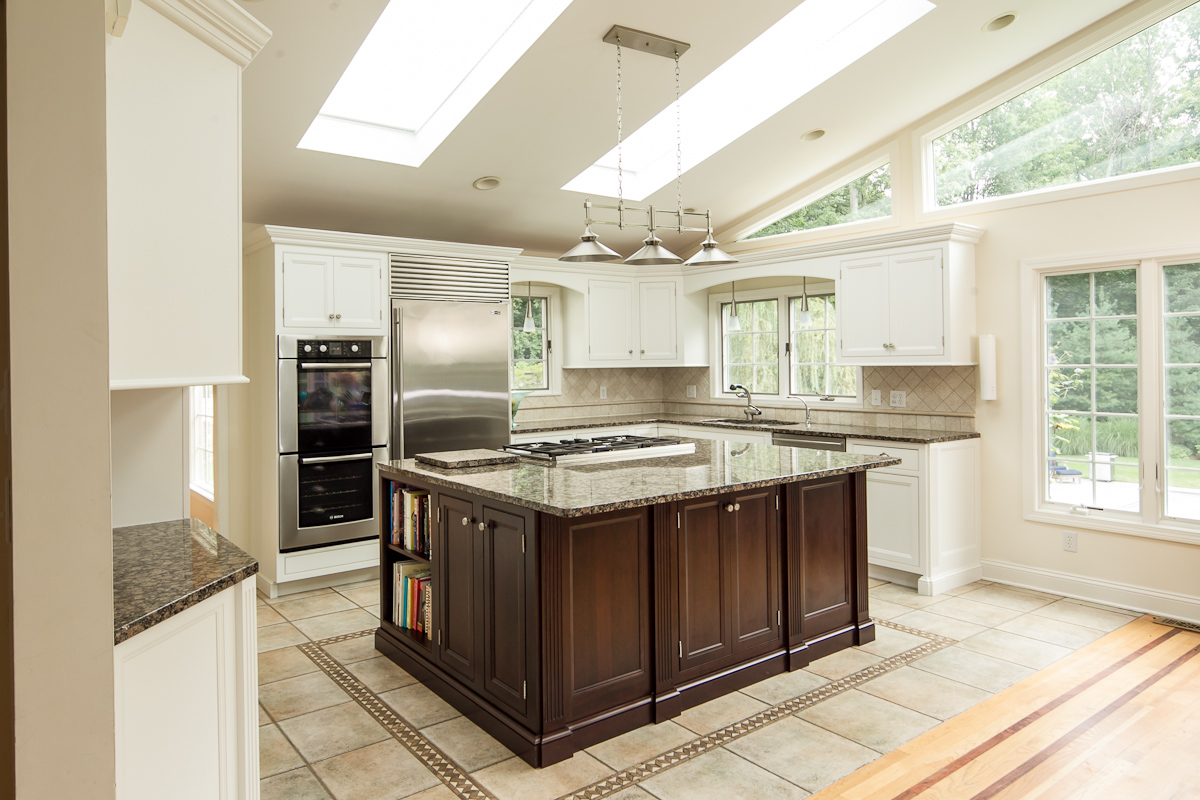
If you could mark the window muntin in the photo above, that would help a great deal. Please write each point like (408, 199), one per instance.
(813, 368)
(866, 197)
(750, 356)
(529, 351)
(1090, 390)
(201, 478)
(1181, 389)
(1127, 110)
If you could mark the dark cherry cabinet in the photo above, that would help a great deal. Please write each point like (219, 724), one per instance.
(457, 556)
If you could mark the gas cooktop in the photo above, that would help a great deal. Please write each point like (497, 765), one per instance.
(601, 448)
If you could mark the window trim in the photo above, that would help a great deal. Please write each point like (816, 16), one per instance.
(1094, 43)
(553, 328)
(1151, 522)
(716, 374)
(194, 445)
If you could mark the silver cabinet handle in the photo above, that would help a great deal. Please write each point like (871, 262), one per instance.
(630, 352)
(331, 316)
(330, 459)
(466, 521)
(737, 506)
(483, 526)
(337, 316)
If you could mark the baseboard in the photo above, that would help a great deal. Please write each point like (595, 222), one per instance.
(1096, 590)
(948, 580)
(274, 590)
(891, 575)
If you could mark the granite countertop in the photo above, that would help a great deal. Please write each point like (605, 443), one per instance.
(574, 490)
(164, 567)
(771, 426)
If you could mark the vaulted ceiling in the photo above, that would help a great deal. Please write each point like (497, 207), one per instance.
(553, 114)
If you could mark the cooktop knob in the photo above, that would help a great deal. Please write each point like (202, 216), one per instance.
(353, 348)
(308, 348)
(323, 348)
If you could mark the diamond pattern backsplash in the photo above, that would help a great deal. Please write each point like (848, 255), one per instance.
(941, 390)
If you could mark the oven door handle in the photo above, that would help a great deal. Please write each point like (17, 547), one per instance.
(331, 459)
(335, 365)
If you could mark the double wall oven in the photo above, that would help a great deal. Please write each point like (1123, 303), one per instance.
(334, 422)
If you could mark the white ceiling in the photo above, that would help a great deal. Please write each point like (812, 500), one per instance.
(553, 115)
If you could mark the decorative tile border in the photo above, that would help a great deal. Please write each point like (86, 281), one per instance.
(463, 786)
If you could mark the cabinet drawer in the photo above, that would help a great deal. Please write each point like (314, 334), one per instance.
(911, 455)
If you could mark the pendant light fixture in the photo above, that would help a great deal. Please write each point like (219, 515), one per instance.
(529, 327)
(734, 323)
(805, 318)
(652, 252)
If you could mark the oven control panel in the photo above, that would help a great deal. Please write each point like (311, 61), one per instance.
(333, 348)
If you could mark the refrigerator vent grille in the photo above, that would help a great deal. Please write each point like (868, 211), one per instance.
(453, 279)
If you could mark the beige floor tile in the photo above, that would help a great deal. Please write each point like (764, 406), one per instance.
(871, 721)
(778, 688)
(380, 674)
(632, 793)
(372, 610)
(883, 609)
(921, 691)
(292, 697)
(466, 743)
(337, 624)
(1088, 616)
(1010, 598)
(904, 596)
(283, 598)
(715, 714)
(314, 606)
(980, 613)
(842, 663)
(383, 771)
(419, 706)
(720, 775)
(286, 662)
(268, 616)
(299, 784)
(275, 753)
(263, 716)
(889, 642)
(515, 780)
(1032, 653)
(1066, 634)
(637, 745)
(933, 622)
(970, 587)
(332, 731)
(273, 637)
(352, 650)
(439, 792)
(349, 587)
(802, 753)
(972, 668)
(873, 582)
(362, 595)
(260, 598)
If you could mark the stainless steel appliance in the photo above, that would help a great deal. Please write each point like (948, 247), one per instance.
(450, 376)
(835, 443)
(333, 426)
(601, 449)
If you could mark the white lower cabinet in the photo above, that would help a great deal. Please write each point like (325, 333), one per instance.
(186, 703)
(893, 520)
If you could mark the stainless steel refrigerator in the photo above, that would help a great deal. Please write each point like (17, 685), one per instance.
(450, 376)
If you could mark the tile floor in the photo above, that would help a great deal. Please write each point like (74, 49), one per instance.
(317, 743)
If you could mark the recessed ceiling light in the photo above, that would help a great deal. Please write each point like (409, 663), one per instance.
(813, 135)
(484, 184)
(1000, 23)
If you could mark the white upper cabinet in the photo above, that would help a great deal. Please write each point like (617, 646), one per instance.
(610, 320)
(327, 291)
(307, 291)
(865, 330)
(356, 292)
(657, 321)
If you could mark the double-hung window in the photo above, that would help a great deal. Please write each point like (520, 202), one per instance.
(202, 473)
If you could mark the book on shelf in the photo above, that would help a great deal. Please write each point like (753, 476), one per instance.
(410, 519)
(412, 584)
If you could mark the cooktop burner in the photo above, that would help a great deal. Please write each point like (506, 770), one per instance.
(601, 448)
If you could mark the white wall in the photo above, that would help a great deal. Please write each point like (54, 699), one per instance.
(62, 530)
(149, 456)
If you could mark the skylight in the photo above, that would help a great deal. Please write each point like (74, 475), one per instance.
(420, 71)
(811, 44)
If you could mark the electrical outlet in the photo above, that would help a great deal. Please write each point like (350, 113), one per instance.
(876, 397)
(691, 392)
(1070, 541)
(898, 399)
(603, 392)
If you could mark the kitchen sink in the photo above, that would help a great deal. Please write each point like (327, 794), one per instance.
(752, 422)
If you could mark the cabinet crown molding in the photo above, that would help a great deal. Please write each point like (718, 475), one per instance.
(221, 24)
(266, 235)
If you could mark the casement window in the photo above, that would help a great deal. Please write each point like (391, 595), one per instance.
(534, 366)
(1115, 409)
(201, 478)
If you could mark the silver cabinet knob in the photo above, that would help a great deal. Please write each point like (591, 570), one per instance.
(729, 506)
(630, 352)
(737, 506)
(337, 316)
(466, 521)
(884, 345)
(331, 316)
(643, 352)
(483, 526)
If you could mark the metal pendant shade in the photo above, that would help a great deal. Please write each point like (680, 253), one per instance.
(653, 253)
(589, 249)
(710, 254)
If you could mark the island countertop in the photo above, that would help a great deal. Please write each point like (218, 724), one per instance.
(578, 489)
(162, 568)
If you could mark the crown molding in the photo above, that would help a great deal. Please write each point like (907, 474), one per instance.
(266, 235)
(221, 24)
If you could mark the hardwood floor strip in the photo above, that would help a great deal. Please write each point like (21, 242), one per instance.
(973, 754)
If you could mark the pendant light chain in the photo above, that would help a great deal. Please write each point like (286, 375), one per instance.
(678, 151)
(620, 171)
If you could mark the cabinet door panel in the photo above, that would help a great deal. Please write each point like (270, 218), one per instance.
(610, 320)
(704, 618)
(458, 579)
(826, 588)
(754, 541)
(893, 521)
(915, 309)
(657, 323)
(862, 305)
(356, 292)
(307, 291)
(506, 582)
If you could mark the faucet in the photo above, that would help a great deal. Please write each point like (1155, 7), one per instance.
(807, 410)
(751, 411)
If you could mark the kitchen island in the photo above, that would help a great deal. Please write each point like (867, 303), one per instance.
(563, 605)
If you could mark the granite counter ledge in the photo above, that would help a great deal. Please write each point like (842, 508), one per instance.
(163, 568)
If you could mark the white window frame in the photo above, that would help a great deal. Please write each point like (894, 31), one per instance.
(1151, 522)
(925, 183)
(195, 413)
(554, 341)
(783, 295)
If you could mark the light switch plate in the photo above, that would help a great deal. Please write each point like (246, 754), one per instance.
(603, 392)
(898, 399)
(876, 397)
(691, 392)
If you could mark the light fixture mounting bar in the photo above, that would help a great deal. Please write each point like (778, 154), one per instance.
(647, 42)
(622, 222)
